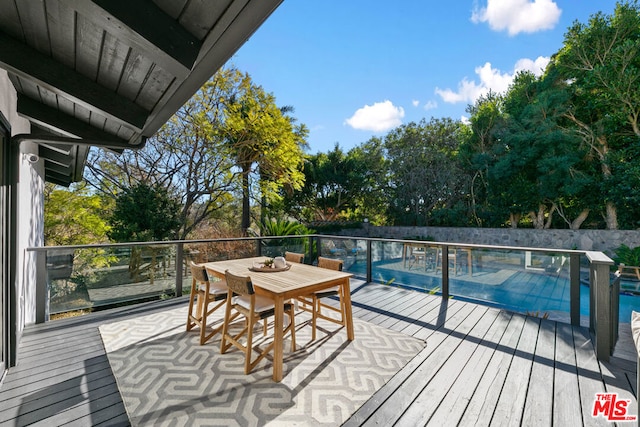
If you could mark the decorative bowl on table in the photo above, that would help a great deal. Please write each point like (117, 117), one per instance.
(268, 266)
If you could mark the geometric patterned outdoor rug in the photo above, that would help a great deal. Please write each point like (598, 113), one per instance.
(167, 378)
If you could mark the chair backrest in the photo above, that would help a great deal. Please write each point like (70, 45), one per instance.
(294, 257)
(240, 285)
(198, 272)
(330, 263)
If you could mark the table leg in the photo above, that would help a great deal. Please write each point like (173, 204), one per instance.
(278, 338)
(346, 292)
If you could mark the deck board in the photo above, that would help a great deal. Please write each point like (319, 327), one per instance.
(565, 383)
(425, 404)
(480, 366)
(539, 401)
(508, 410)
(450, 410)
(485, 397)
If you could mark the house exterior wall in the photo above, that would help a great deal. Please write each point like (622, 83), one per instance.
(28, 208)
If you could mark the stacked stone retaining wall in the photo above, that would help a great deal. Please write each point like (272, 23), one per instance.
(589, 240)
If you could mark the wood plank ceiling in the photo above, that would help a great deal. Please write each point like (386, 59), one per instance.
(110, 73)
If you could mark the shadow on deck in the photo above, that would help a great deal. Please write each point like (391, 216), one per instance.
(481, 365)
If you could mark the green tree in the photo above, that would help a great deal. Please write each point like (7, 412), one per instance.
(425, 174)
(541, 169)
(479, 152)
(229, 122)
(187, 157)
(341, 185)
(601, 63)
(326, 192)
(369, 181)
(74, 216)
(144, 213)
(259, 134)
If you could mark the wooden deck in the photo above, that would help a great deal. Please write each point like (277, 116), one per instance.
(481, 366)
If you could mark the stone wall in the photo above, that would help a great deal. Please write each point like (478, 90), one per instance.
(588, 240)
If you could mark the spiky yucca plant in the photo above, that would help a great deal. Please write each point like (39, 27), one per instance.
(627, 256)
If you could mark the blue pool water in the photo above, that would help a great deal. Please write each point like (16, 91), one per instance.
(517, 290)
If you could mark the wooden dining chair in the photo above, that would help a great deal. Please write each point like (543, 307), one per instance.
(294, 257)
(242, 300)
(207, 297)
(315, 299)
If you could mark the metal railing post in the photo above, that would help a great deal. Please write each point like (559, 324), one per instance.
(179, 268)
(258, 247)
(309, 255)
(600, 304)
(42, 287)
(615, 312)
(574, 279)
(369, 262)
(445, 271)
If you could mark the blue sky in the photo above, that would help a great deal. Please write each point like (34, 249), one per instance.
(354, 69)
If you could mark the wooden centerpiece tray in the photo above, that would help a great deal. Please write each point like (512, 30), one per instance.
(261, 268)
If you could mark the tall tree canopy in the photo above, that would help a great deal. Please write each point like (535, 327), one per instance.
(74, 216)
(144, 213)
(600, 63)
(229, 122)
(339, 185)
(258, 133)
(424, 172)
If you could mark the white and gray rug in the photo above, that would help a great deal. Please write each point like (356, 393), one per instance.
(166, 378)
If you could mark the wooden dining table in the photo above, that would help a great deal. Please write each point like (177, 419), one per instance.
(298, 280)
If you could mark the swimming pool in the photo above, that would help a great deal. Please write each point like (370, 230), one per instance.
(516, 289)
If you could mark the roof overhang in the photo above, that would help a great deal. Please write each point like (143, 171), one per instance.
(110, 73)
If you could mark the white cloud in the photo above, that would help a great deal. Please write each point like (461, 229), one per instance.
(490, 79)
(430, 105)
(378, 117)
(415, 102)
(518, 16)
(537, 67)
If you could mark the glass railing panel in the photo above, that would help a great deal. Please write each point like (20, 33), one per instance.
(275, 247)
(67, 291)
(536, 283)
(219, 250)
(352, 251)
(94, 277)
(407, 264)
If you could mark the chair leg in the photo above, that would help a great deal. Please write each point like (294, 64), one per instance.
(249, 347)
(314, 316)
(204, 337)
(190, 322)
(292, 327)
(225, 327)
(203, 326)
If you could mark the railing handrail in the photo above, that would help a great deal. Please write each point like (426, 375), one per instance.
(593, 255)
(599, 264)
